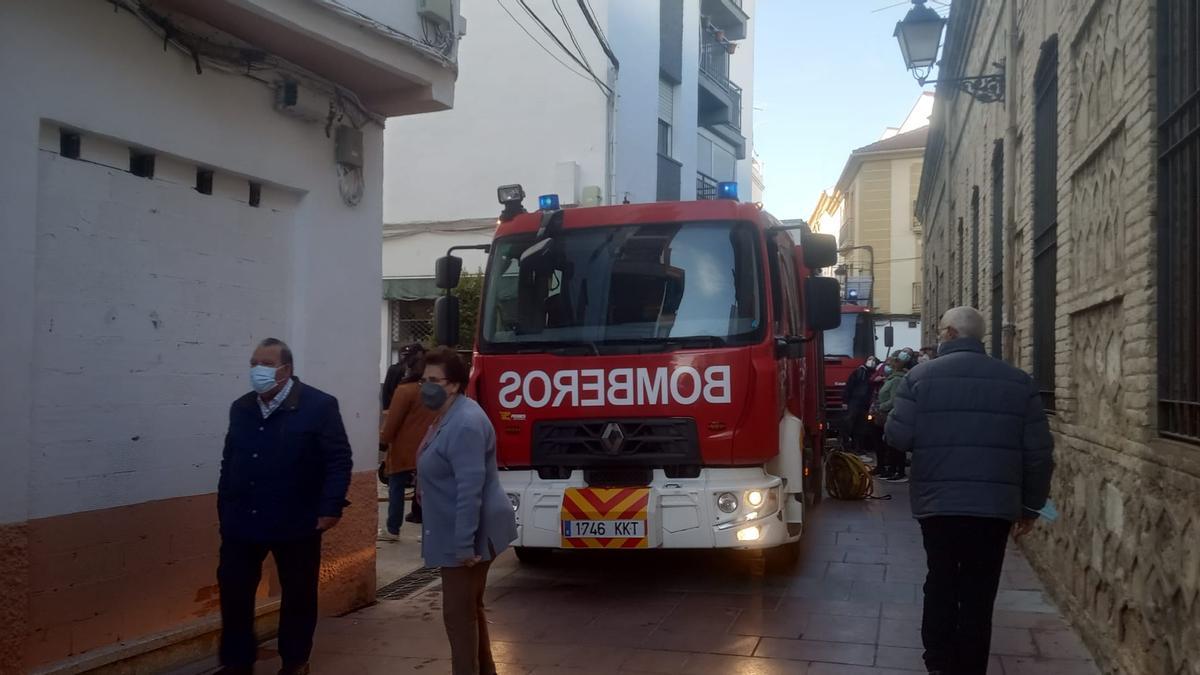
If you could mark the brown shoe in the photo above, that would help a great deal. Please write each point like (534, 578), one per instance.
(301, 669)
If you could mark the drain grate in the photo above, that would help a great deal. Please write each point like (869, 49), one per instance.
(408, 584)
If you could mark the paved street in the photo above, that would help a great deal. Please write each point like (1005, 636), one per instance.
(851, 606)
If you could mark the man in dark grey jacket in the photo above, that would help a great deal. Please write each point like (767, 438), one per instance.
(982, 461)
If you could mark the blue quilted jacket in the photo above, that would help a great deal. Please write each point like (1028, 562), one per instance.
(980, 440)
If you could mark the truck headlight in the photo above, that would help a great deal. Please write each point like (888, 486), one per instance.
(755, 498)
(727, 502)
(515, 500)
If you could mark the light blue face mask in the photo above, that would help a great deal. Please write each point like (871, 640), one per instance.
(262, 378)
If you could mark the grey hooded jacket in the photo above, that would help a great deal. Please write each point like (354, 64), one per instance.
(980, 440)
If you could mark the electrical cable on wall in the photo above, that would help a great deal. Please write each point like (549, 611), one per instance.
(589, 14)
(571, 34)
(252, 63)
(439, 49)
(243, 61)
(554, 36)
(539, 44)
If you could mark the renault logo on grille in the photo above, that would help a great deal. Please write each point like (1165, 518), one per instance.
(612, 438)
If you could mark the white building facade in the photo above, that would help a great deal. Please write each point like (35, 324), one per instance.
(167, 201)
(678, 121)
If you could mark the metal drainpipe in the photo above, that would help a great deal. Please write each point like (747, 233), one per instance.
(610, 154)
(1011, 68)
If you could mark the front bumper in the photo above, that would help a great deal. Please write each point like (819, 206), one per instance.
(682, 513)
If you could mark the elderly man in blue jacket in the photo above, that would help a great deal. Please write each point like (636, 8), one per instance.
(981, 467)
(284, 476)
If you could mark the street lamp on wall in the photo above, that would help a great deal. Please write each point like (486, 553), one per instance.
(920, 36)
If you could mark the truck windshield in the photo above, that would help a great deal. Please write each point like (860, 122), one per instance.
(661, 286)
(854, 337)
(840, 341)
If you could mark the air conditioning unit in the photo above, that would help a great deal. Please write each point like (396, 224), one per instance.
(294, 100)
(436, 11)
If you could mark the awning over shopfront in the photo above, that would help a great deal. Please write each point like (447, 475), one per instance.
(412, 288)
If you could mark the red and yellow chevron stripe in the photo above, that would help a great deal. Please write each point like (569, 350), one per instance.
(605, 504)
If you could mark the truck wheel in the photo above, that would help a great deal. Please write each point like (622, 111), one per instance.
(782, 558)
(532, 556)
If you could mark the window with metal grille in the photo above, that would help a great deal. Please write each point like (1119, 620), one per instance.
(1178, 79)
(975, 247)
(998, 249)
(411, 321)
(1045, 219)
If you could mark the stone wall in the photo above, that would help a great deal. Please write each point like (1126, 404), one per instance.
(1124, 558)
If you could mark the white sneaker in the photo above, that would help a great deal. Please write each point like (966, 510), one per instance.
(384, 535)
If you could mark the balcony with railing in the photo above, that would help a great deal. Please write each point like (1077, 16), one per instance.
(706, 186)
(720, 100)
(727, 15)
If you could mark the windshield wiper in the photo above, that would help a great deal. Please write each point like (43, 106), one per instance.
(573, 348)
(651, 345)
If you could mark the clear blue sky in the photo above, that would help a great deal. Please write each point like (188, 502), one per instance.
(828, 78)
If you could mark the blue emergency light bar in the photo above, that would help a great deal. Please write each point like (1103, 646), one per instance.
(727, 190)
(548, 202)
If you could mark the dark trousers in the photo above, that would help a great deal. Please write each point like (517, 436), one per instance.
(397, 484)
(894, 460)
(466, 624)
(965, 557)
(298, 562)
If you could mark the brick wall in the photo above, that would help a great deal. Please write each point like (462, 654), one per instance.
(1124, 559)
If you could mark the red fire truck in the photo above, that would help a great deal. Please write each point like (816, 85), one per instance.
(651, 372)
(846, 347)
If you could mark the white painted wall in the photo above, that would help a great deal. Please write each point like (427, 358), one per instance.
(414, 255)
(904, 267)
(904, 336)
(634, 37)
(72, 400)
(687, 107)
(517, 112)
(741, 71)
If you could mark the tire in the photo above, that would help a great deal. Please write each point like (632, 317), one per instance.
(782, 558)
(532, 556)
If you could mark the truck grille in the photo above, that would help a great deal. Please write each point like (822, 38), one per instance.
(654, 443)
(833, 400)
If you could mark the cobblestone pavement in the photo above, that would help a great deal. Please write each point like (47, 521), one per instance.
(850, 606)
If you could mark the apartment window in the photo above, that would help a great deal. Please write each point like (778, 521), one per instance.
(1178, 80)
(714, 160)
(666, 115)
(1045, 219)
(998, 249)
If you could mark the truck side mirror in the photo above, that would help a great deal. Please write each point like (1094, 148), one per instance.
(820, 250)
(447, 272)
(446, 321)
(822, 303)
(889, 337)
